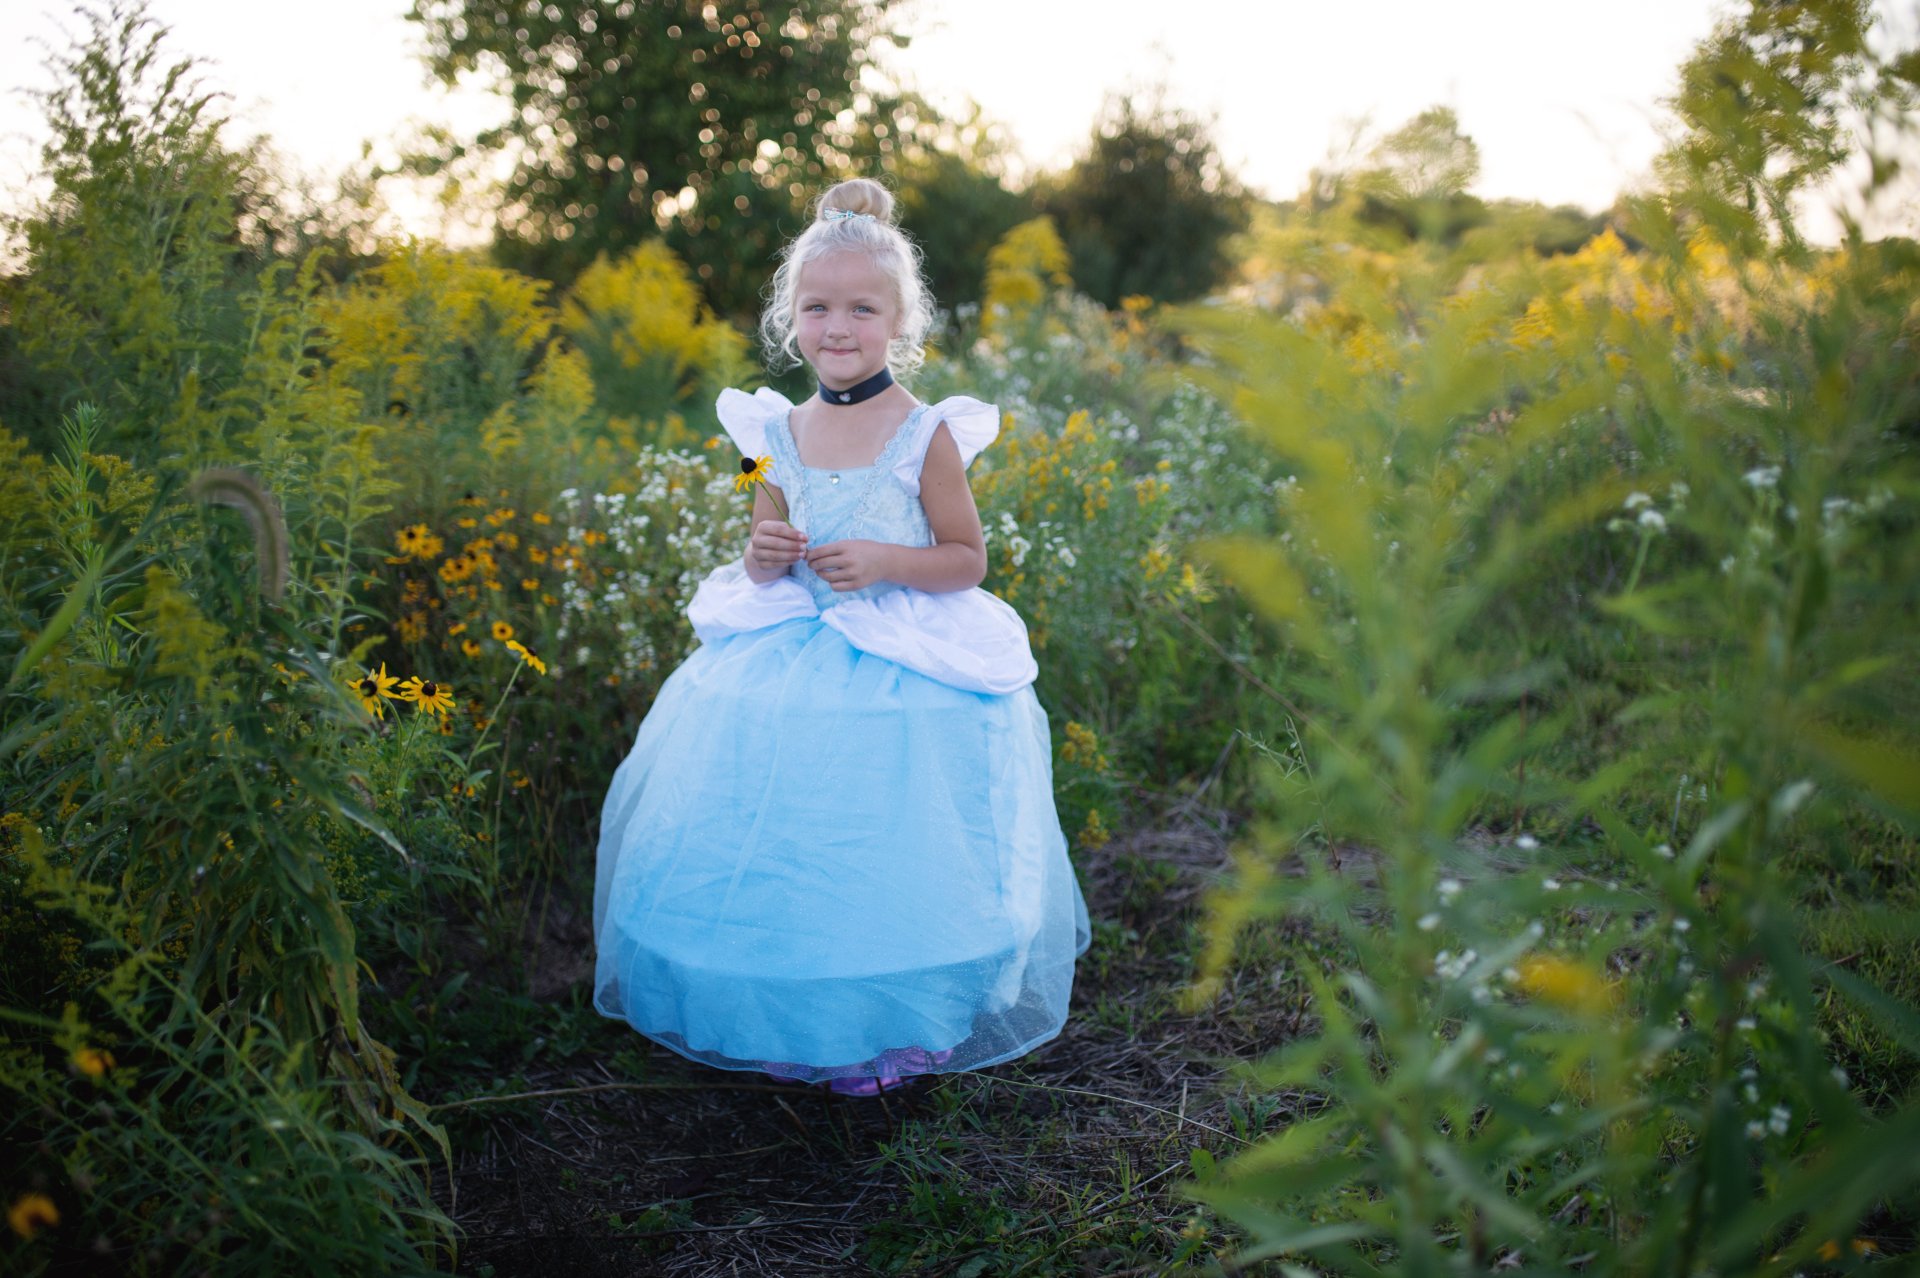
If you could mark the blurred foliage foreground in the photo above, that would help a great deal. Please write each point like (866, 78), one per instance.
(1576, 676)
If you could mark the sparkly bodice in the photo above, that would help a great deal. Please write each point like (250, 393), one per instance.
(864, 502)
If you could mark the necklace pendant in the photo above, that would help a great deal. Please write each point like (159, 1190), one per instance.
(833, 479)
(846, 396)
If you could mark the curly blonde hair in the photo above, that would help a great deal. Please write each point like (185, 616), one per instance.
(884, 244)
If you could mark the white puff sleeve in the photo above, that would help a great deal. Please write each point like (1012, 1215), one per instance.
(745, 417)
(972, 424)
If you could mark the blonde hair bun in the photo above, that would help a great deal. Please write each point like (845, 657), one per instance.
(858, 195)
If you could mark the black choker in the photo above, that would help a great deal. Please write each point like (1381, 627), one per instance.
(858, 394)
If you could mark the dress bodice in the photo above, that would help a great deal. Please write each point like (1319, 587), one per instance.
(864, 502)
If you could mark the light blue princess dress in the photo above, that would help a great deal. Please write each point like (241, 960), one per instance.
(833, 851)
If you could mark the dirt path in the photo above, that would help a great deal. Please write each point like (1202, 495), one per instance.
(1067, 1162)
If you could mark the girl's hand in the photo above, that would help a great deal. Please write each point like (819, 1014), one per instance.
(851, 565)
(775, 546)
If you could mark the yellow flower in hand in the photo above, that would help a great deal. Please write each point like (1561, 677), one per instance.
(758, 471)
(752, 471)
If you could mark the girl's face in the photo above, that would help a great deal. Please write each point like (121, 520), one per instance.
(846, 314)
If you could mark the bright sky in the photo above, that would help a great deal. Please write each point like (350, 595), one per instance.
(1564, 100)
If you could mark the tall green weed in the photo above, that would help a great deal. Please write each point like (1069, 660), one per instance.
(1611, 1049)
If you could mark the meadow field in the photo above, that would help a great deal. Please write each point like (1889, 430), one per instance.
(1480, 651)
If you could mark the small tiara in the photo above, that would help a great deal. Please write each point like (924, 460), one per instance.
(845, 215)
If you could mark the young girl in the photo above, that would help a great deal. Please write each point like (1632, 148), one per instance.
(833, 852)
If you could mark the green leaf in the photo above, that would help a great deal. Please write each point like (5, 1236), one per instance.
(63, 620)
(1887, 770)
(1262, 572)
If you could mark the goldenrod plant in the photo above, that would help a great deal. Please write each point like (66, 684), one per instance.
(1570, 1032)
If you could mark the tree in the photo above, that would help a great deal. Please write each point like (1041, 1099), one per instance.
(1766, 103)
(1148, 209)
(630, 116)
(139, 261)
(1427, 158)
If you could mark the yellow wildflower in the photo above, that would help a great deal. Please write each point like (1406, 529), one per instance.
(520, 650)
(417, 541)
(753, 470)
(373, 688)
(502, 631)
(94, 1062)
(1564, 983)
(1082, 746)
(31, 1213)
(428, 696)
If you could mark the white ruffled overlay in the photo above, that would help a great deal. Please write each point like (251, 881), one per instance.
(967, 639)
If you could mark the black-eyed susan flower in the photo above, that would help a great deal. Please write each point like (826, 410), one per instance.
(529, 583)
(470, 648)
(758, 471)
(536, 555)
(32, 1213)
(375, 689)
(752, 471)
(525, 654)
(94, 1062)
(541, 517)
(502, 631)
(428, 696)
(417, 541)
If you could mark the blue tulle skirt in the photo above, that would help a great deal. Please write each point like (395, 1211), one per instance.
(820, 864)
